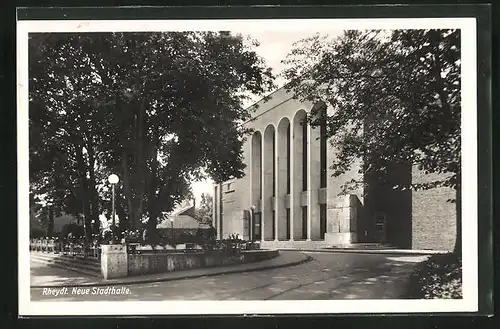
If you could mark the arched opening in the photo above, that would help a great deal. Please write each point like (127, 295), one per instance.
(314, 217)
(305, 126)
(268, 187)
(298, 175)
(323, 168)
(322, 147)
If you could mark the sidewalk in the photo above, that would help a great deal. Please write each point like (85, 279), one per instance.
(46, 276)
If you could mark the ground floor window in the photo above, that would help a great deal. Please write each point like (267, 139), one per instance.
(256, 226)
(381, 227)
(322, 220)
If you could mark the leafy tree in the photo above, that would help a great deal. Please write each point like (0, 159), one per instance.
(176, 109)
(155, 108)
(65, 129)
(396, 100)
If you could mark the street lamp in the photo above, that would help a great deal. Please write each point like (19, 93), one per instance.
(252, 224)
(172, 228)
(113, 180)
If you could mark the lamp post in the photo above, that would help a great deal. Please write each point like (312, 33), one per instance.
(113, 180)
(252, 223)
(172, 230)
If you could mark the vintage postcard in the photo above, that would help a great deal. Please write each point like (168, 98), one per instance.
(272, 166)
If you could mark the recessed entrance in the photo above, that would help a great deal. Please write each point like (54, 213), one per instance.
(380, 227)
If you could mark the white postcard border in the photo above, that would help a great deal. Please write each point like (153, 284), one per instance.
(469, 303)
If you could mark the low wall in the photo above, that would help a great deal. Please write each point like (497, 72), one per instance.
(149, 263)
(115, 262)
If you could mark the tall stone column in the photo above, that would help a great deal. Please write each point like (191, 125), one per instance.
(281, 175)
(215, 219)
(342, 209)
(341, 220)
(313, 181)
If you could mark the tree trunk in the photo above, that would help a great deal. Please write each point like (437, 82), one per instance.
(124, 224)
(84, 187)
(50, 223)
(458, 208)
(94, 215)
(135, 186)
(93, 195)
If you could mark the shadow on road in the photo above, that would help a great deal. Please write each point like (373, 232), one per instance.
(41, 274)
(387, 279)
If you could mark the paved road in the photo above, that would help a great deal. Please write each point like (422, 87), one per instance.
(327, 276)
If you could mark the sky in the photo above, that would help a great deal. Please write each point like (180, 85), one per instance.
(274, 46)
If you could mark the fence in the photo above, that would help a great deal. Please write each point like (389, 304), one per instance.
(65, 248)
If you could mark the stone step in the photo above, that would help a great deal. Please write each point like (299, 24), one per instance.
(75, 259)
(81, 265)
(363, 246)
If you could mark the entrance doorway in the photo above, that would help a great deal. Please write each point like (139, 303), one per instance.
(380, 227)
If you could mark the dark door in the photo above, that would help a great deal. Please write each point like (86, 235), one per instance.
(322, 220)
(380, 227)
(256, 226)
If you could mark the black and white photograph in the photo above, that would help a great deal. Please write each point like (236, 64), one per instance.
(238, 166)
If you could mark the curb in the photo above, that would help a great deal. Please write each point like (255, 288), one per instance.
(194, 276)
(373, 251)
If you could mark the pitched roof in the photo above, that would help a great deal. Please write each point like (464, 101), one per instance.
(181, 221)
(183, 218)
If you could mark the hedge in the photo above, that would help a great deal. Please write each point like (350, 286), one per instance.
(440, 276)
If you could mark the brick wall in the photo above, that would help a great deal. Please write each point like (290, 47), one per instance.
(394, 204)
(415, 219)
(434, 219)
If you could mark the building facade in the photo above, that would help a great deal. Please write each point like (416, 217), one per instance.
(288, 197)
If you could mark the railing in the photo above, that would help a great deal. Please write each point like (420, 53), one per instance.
(65, 248)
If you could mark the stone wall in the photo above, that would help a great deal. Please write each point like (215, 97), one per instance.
(150, 263)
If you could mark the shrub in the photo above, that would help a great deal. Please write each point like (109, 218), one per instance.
(440, 276)
(132, 236)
